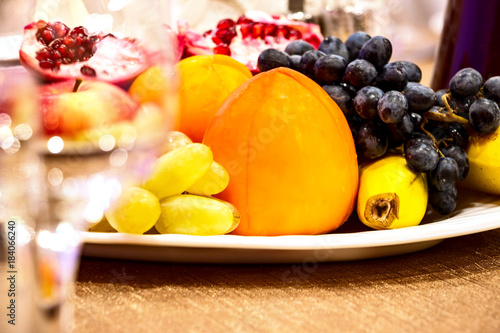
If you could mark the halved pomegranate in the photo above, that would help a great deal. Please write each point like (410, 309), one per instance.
(246, 38)
(54, 52)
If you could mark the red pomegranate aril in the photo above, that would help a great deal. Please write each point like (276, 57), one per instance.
(206, 33)
(66, 60)
(270, 30)
(69, 41)
(43, 54)
(258, 30)
(226, 23)
(56, 55)
(79, 31)
(45, 35)
(46, 64)
(87, 70)
(80, 52)
(294, 34)
(243, 19)
(216, 40)
(225, 35)
(79, 40)
(222, 49)
(60, 29)
(246, 29)
(283, 31)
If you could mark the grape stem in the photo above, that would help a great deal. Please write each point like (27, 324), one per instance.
(447, 116)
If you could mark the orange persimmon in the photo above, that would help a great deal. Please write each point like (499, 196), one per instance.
(289, 153)
(204, 83)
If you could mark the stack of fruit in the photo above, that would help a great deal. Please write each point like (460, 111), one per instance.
(389, 111)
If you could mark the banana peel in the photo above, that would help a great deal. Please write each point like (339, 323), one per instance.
(390, 194)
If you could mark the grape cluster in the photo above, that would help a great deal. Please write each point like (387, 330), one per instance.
(388, 110)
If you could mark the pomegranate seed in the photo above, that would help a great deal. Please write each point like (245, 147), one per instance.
(66, 60)
(87, 70)
(216, 40)
(294, 34)
(57, 64)
(243, 19)
(258, 30)
(222, 49)
(79, 31)
(71, 54)
(56, 55)
(225, 35)
(246, 29)
(63, 50)
(206, 33)
(283, 31)
(270, 30)
(226, 23)
(60, 29)
(69, 41)
(80, 52)
(45, 35)
(43, 54)
(79, 40)
(276, 17)
(40, 24)
(46, 64)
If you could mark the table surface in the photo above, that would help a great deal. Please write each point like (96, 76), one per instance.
(453, 286)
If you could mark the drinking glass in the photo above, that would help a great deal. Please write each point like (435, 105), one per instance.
(85, 169)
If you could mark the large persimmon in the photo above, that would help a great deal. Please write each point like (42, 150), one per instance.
(289, 153)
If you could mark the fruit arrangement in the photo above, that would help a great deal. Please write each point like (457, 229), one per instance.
(323, 128)
(176, 196)
(390, 112)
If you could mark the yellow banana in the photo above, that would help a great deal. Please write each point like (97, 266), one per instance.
(484, 163)
(391, 195)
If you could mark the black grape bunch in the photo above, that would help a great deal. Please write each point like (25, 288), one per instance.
(390, 111)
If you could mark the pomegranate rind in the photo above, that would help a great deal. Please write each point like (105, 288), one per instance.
(116, 61)
(247, 49)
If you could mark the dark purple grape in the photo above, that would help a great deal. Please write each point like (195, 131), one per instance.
(392, 77)
(417, 121)
(459, 135)
(360, 73)
(466, 82)
(365, 102)
(296, 62)
(372, 140)
(484, 115)
(350, 89)
(439, 99)
(272, 58)
(492, 88)
(329, 69)
(308, 61)
(420, 98)
(443, 202)
(333, 45)
(401, 131)
(445, 175)
(298, 47)
(462, 105)
(421, 157)
(418, 137)
(377, 50)
(460, 156)
(355, 42)
(342, 98)
(392, 107)
(413, 72)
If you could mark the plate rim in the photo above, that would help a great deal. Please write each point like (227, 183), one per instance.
(442, 229)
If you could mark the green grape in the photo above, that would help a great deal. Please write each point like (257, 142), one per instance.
(175, 140)
(135, 211)
(214, 181)
(196, 215)
(174, 172)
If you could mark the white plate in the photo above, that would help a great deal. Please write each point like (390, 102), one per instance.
(475, 213)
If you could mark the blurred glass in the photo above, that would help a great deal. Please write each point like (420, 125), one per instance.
(69, 178)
